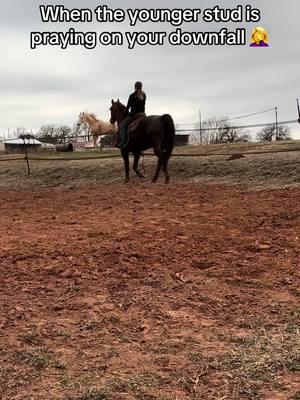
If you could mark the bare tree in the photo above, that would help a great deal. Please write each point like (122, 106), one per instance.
(54, 134)
(268, 134)
(19, 132)
(212, 130)
(232, 134)
(221, 131)
(283, 133)
(63, 133)
(46, 134)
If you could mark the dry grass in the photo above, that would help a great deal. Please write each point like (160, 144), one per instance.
(258, 359)
(233, 148)
(30, 337)
(144, 386)
(250, 364)
(254, 170)
(91, 394)
(37, 358)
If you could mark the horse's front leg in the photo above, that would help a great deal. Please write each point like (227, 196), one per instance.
(100, 143)
(125, 156)
(95, 137)
(136, 163)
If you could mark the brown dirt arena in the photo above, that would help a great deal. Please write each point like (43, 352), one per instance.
(186, 291)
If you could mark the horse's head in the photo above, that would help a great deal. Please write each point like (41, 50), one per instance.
(81, 119)
(116, 111)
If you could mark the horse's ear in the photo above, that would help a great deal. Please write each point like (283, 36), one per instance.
(112, 102)
(118, 100)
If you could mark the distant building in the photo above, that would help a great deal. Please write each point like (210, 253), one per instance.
(181, 140)
(2, 146)
(20, 145)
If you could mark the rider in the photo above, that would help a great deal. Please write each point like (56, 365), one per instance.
(136, 105)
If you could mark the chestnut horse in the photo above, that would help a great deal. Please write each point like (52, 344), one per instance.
(154, 131)
(98, 128)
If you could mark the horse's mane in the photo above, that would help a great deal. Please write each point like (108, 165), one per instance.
(121, 105)
(93, 116)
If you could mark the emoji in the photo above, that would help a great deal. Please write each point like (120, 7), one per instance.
(259, 37)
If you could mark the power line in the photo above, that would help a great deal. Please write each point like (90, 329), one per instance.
(238, 127)
(242, 116)
(248, 115)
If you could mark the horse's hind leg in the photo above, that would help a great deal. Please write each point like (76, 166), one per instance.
(159, 164)
(126, 163)
(165, 161)
(135, 164)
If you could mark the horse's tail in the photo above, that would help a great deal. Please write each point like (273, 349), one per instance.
(169, 133)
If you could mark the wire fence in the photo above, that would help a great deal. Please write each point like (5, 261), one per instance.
(289, 147)
(240, 153)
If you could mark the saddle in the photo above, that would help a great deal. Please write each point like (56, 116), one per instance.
(135, 123)
(131, 128)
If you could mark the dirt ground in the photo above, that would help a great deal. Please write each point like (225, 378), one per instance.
(189, 291)
(144, 291)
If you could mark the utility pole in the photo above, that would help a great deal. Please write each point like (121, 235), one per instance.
(298, 110)
(26, 137)
(276, 115)
(200, 127)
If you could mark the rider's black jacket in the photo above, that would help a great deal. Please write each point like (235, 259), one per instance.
(135, 105)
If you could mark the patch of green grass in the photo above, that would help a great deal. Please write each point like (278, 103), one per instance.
(37, 358)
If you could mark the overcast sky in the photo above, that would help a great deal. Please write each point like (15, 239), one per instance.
(50, 85)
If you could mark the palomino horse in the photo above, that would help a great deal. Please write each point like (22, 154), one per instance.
(98, 128)
(157, 132)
